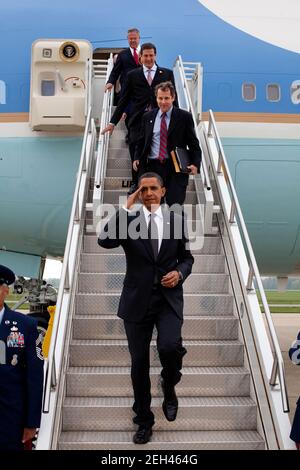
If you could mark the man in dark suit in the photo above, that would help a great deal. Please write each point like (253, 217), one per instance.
(158, 262)
(162, 130)
(21, 373)
(139, 89)
(127, 60)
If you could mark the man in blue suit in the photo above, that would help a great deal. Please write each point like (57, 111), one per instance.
(21, 373)
(294, 354)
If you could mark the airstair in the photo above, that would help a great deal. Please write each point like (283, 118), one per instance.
(232, 394)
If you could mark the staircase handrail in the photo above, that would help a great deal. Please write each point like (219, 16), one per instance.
(278, 364)
(103, 140)
(55, 361)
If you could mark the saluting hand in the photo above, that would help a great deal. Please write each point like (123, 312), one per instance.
(133, 198)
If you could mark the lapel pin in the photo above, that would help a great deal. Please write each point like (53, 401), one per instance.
(15, 322)
(7, 322)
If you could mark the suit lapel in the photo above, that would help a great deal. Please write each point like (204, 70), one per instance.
(151, 121)
(143, 75)
(130, 56)
(156, 79)
(144, 234)
(167, 224)
(173, 121)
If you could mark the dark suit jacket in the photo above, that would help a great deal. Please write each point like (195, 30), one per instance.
(294, 354)
(21, 378)
(124, 64)
(141, 265)
(181, 133)
(138, 91)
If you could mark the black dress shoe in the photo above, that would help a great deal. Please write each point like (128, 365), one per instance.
(142, 436)
(170, 403)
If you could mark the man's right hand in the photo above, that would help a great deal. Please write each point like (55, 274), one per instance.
(133, 198)
(109, 128)
(135, 165)
(108, 87)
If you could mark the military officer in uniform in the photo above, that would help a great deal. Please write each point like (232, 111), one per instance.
(21, 373)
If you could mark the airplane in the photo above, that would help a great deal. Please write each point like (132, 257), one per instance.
(250, 57)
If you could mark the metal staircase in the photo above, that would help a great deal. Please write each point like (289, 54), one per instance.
(224, 399)
(215, 408)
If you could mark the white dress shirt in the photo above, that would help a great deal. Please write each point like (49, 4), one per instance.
(159, 220)
(137, 50)
(153, 71)
(155, 144)
(1, 314)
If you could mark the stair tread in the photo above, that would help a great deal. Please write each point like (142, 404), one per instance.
(112, 316)
(162, 436)
(156, 370)
(188, 294)
(123, 342)
(156, 402)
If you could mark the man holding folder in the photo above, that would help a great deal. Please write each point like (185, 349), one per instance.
(162, 131)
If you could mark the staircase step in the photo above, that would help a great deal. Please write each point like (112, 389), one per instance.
(93, 283)
(194, 413)
(119, 183)
(194, 304)
(117, 196)
(95, 353)
(119, 172)
(118, 152)
(111, 262)
(212, 245)
(164, 440)
(196, 381)
(111, 327)
(119, 163)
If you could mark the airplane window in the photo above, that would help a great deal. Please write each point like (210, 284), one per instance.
(2, 92)
(273, 92)
(249, 91)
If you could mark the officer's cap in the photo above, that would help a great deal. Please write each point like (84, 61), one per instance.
(6, 276)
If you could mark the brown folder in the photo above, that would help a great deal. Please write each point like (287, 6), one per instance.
(181, 160)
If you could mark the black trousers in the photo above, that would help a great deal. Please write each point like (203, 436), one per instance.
(170, 350)
(175, 183)
(133, 136)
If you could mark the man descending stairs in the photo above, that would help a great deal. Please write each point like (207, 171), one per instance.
(215, 407)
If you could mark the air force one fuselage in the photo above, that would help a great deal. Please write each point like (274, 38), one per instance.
(251, 63)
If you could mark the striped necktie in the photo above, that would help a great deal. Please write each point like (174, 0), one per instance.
(149, 76)
(135, 56)
(163, 138)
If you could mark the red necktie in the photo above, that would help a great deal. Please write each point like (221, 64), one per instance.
(163, 138)
(135, 56)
